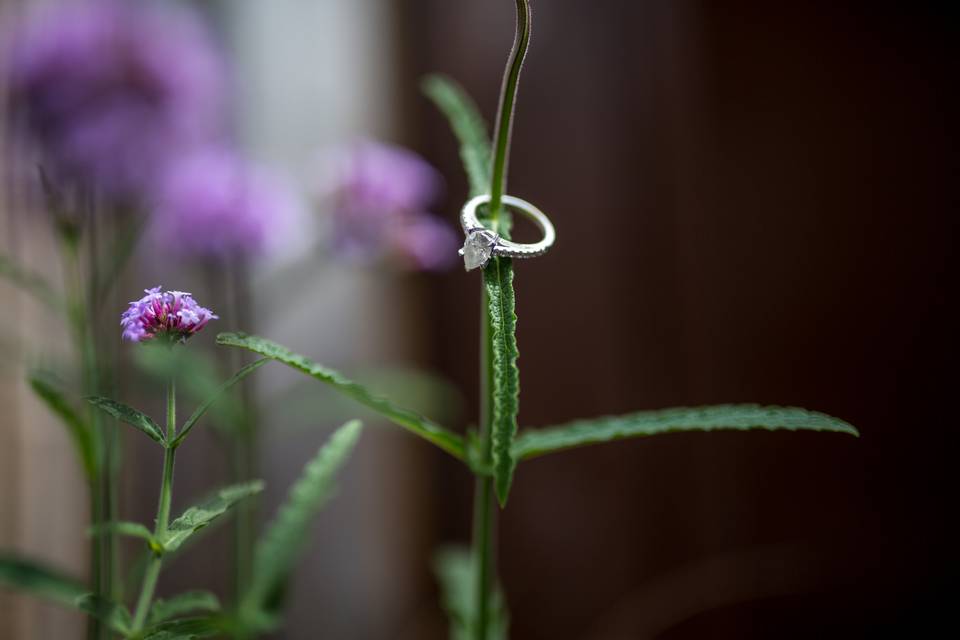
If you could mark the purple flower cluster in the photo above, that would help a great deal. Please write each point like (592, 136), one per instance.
(214, 204)
(170, 315)
(112, 92)
(380, 199)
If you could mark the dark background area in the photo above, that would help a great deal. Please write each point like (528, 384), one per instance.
(754, 203)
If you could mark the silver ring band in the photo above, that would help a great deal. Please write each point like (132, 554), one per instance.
(482, 243)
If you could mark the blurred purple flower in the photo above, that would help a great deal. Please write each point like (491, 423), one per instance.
(173, 315)
(111, 91)
(213, 204)
(380, 198)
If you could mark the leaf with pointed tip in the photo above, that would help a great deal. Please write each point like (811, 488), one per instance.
(284, 540)
(114, 615)
(467, 125)
(49, 390)
(131, 529)
(187, 602)
(39, 580)
(202, 409)
(201, 515)
(455, 570)
(740, 417)
(131, 416)
(409, 420)
(186, 629)
(505, 383)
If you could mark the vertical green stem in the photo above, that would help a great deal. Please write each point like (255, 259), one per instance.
(163, 515)
(483, 530)
(508, 100)
(86, 353)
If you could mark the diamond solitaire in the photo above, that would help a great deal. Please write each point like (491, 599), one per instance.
(481, 243)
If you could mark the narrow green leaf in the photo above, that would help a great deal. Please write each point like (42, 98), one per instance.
(409, 420)
(498, 282)
(39, 580)
(187, 602)
(186, 629)
(740, 417)
(131, 529)
(202, 409)
(199, 516)
(47, 389)
(456, 573)
(284, 540)
(114, 615)
(467, 125)
(131, 416)
(32, 284)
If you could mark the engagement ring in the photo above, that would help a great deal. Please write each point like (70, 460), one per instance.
(481, 243)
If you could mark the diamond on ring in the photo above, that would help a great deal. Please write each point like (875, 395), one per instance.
(481, 243)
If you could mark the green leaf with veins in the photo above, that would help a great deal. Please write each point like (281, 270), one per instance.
(456, 573)
(131, 416)
(48, 389)
(278, 549)
(532, 443)
(505, 383)
(447, 440)
(37, 579)
(467, 125)
(197, 517)
(187, 602)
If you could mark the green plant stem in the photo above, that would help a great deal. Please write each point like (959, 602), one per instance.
(484, 530)
(79, 321)
(508, 100)
(163, 515)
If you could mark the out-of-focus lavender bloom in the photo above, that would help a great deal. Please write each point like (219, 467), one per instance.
(170, 315)
(111, 91)
(214, 204)
(426, 243)
(380, 197)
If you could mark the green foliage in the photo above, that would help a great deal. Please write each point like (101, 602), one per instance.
(131, 416)
(468, 126)
(115, 616)
(180, 604)
(456, 572)
(536, 442)
(186, 629)
(39, 580)
(498, 282)
(46, 388)
(287, 535)
(33, 284)
(197, 517)
(409, 420)
(226, 386)
(131, 529)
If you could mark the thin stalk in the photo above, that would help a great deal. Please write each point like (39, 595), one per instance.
(484, 531)
(163, 515)
(79, 321)
(508, 101)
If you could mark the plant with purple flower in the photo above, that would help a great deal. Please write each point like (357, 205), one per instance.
(173, 316)
(380, 196)
(112, 91)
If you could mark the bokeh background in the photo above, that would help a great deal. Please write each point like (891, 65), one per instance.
(754, 201)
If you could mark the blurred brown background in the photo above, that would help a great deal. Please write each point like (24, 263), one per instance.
(753, 203)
